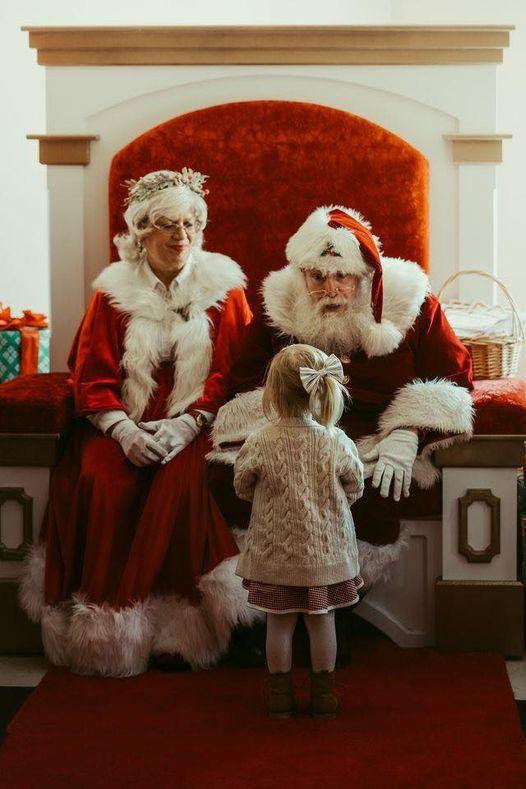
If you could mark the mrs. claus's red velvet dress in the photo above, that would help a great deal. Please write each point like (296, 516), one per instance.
(138, 560)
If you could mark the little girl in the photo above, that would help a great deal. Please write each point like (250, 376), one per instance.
(300, 554)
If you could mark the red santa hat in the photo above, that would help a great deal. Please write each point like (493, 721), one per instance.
(335, 238)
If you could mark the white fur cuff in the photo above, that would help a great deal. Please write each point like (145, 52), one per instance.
(238, 419)
(433, 405)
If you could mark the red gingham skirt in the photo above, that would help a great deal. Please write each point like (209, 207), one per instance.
(302, 599)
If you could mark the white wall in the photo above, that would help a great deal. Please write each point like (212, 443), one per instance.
(511, 92)
(24, 237)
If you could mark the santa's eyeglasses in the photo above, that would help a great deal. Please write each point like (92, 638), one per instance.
(337, 278)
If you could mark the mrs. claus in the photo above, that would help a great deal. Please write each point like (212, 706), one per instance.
(134, 556)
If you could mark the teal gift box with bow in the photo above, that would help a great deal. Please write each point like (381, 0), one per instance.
(24, 344)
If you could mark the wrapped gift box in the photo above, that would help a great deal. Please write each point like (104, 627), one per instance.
(24, 344)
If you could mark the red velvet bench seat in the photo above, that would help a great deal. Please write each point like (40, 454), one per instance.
(43, 405)
(36, 414)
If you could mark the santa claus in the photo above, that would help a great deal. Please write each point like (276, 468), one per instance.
(134, 558)
(408, 376)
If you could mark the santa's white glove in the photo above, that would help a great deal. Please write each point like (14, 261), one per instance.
(140, 448)
(395, 456)
(172, 434)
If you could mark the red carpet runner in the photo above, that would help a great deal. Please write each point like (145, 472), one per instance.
(410, 718)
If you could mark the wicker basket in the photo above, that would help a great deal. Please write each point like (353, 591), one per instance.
(494, 356)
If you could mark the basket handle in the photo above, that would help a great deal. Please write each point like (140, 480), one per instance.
(517, 327)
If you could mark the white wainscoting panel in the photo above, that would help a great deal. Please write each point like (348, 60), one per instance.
(403, 606)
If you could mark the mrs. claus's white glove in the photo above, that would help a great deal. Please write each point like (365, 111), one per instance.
(172, 434)
(140, 448)
(395, 455)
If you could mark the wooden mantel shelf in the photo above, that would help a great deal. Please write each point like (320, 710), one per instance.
(71, 149)
(327, 45)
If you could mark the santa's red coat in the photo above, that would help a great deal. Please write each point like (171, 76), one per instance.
(423, 382)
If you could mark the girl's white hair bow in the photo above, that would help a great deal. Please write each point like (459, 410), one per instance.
(311, 378)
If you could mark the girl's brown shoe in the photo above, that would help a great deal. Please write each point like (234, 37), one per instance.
(323, 701)
(279, 695)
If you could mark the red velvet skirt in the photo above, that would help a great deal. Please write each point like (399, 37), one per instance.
(116, 533)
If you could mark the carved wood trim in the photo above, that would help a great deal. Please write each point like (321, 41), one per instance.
(30, 449)
(483, 452)
(26, 502)
(64, 148)
(493, 547)
(479, 148)
(18, 636)
(342, 44)
(480, 616)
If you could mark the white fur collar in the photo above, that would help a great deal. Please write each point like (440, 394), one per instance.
(405, 286)
(211, 278)
(152, 317)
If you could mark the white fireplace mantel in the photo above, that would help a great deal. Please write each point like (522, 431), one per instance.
(433, 86)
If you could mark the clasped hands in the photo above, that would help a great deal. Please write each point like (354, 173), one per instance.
(157, 441)
(395, 456)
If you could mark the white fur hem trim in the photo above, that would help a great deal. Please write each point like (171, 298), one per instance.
(97, 639)
(31, 585)
(107, 642)
(377, 561)
(425, 473)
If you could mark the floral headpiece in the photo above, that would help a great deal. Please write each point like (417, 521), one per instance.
(149, 184)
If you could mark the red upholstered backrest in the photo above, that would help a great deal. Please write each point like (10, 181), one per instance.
(271, 163)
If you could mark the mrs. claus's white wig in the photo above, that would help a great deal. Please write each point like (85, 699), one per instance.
(158, 194)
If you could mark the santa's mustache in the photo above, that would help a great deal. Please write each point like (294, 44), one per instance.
(328, 302)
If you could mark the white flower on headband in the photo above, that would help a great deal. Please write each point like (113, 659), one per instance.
(149, 184)
(311, 378)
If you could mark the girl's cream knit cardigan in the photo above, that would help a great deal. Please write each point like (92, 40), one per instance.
(302, 478)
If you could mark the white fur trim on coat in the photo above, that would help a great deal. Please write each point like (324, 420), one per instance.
(405, 287)
(31, 584)
(98, 639)
(234, 422)
(437, 405)
(305, 248)
(377, 561)
(101, 640)
(212, 277)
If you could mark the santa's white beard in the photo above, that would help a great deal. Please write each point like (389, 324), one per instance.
(332, 332)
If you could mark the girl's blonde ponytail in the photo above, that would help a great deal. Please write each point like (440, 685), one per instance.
(327, 401)
(285, 395)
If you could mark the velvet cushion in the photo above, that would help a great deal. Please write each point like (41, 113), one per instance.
(36, 404)
(271, 163)
(500, 406)
(44, 404)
